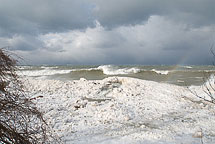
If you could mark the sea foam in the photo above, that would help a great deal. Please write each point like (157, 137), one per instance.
(44, 72)
(111, 70)
(47, 71)
(163, 72)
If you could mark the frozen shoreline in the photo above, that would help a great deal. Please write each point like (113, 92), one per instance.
(122, 110)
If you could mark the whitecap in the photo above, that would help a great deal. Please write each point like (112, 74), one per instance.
(113, 70)
(188, 67)
(49, 67)
(44, 72)
(163, 72)
(24, 67)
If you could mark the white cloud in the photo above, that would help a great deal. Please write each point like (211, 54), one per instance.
(157, 41)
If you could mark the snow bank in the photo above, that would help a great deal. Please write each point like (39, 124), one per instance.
(122, 110)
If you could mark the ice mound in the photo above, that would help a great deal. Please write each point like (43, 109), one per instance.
(122, 110)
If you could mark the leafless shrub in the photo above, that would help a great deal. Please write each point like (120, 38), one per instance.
(209, 90)
(20, 121)
(209, 85)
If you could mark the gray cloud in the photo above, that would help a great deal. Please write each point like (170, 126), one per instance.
(131, 31)
(28, 16)
(159, 41)
(24, 43)
(120, 12)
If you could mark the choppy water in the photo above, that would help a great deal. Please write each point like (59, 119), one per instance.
(179, 75)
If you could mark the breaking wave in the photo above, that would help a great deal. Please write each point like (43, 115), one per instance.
(111, 70)
(106, 69)
(163, 72)
(45, 72)
(184, 75)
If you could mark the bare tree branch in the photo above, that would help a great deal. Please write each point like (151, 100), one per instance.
(20, 121)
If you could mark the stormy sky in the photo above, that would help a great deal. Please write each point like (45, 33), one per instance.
(149, 32)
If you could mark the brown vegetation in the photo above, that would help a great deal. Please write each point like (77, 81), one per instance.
(20, 121)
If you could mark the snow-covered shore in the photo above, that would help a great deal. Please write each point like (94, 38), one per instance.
(123, 110)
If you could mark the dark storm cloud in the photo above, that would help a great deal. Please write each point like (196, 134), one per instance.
(109, 31)
(41, 16)
(29, 16)
(120, 12)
